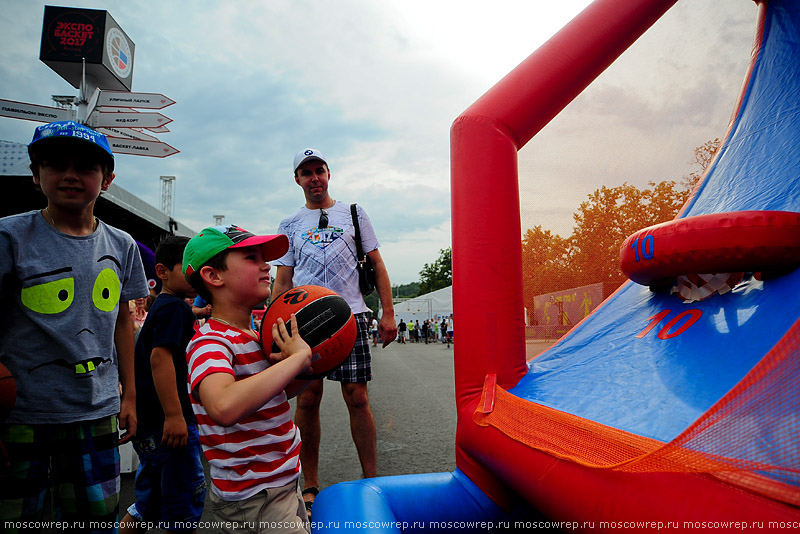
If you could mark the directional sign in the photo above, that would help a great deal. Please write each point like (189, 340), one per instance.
(159, 129)
(122, 99)
(127, 133)
(127, 120)
(33, 112)
(155, 149)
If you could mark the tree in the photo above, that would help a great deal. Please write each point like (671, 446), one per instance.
(545, 264)
(602, 223)
(703, 156)
(406, 291)
(438, 274)
(610, 215)
(373, 302)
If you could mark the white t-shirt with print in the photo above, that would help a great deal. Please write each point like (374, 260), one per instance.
(327, 256)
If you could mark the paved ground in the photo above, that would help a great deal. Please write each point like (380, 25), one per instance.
(413, 399)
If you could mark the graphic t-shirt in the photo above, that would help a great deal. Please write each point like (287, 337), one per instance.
(59, 299)
(260, 451)
(327, 256)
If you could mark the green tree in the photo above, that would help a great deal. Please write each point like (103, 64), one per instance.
(398, 291)
(373, 302)
(438, 274)
(405, 291)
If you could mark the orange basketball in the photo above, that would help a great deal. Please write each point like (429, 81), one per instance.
(8, 392)
(324, 321)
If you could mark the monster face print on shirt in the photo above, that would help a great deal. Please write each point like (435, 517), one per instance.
(55, 292)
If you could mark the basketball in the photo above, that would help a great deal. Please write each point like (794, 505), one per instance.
(324, 321)
(8, 392)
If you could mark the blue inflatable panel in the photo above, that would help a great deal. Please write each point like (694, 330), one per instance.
(657, 387)
(445, 502)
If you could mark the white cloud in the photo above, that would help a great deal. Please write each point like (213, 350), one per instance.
(376, 87)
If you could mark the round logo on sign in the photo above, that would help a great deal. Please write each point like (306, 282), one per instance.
(119, 52)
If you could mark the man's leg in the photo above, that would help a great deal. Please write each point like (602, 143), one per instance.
(362, 426)
(306, 417)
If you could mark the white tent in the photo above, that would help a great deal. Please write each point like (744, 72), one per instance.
(431, 305)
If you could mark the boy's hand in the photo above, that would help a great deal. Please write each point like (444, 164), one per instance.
(175, 434)
(127, 420)
(290, 344)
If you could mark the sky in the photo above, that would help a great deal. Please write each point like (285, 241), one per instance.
(376, 86)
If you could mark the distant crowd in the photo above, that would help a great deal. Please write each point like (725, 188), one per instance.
(435, 330)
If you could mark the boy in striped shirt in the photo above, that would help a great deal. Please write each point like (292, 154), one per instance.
(239, 395)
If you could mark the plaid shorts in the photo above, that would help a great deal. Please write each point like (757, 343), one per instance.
(358, 366)
(78, 461)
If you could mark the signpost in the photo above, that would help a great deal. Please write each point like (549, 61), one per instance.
(136, 147)
(127, 133)
(127, 120)
(122, 99)
(79, 42)
(159, 129)
(33, 112)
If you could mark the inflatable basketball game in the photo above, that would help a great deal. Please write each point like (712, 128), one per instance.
(661, 407)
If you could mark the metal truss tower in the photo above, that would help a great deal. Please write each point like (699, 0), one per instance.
(167, 199)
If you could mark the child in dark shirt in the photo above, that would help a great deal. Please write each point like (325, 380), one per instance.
(170, 483)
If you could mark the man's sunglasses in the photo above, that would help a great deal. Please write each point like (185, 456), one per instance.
(323, 219)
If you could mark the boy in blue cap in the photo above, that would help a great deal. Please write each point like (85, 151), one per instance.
(66, 338)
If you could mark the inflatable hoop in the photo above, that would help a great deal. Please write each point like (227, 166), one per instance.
(737, 241)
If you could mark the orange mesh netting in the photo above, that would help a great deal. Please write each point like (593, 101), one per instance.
(749, 438)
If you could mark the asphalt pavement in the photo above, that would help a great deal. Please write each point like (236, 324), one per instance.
(412, 395)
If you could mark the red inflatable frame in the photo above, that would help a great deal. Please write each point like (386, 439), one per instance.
(484, 144)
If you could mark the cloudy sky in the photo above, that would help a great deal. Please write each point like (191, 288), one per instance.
(376, 85)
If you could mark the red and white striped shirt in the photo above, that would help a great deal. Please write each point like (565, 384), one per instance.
(259, 451)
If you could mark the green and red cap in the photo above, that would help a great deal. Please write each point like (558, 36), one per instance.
(214, 239)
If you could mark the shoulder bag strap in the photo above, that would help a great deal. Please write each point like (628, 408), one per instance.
(359, 248)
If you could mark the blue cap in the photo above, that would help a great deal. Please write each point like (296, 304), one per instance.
(72, 130)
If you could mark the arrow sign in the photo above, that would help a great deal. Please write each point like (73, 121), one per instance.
(103, 119)
(160, 129)
(127, 133)
(32, 112)
(122, 99)
(136, 147)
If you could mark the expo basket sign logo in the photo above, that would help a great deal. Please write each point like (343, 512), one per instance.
(119, 52)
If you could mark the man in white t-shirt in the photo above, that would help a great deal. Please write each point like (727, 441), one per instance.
(322, 252)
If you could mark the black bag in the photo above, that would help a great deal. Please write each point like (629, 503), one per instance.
(366, 271)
